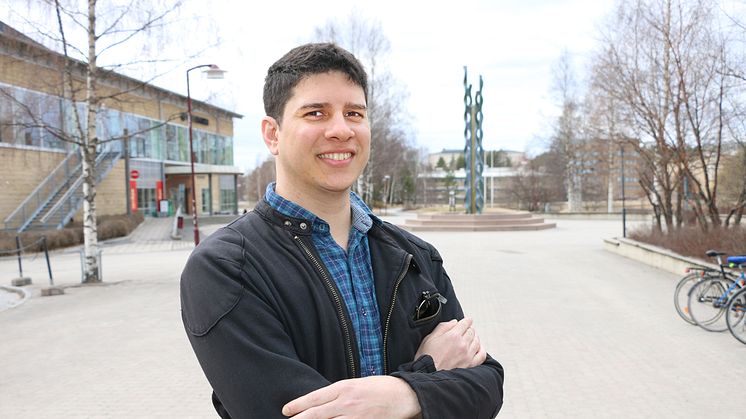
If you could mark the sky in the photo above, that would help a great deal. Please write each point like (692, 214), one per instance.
(512, 44)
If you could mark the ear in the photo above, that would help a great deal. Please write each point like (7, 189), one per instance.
(270, 131)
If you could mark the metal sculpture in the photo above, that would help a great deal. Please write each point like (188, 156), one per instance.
(473, 151)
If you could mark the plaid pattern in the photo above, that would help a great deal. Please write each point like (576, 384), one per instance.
(352, 272)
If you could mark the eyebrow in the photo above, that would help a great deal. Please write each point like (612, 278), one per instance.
(317, 105)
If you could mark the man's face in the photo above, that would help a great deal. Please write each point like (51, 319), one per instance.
(324, 142)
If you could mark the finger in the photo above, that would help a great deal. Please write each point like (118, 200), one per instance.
(329, 410)
(481, 355)
(443, 327)
(468, 337)
(463, 325)
(474, 345)
(315, 398)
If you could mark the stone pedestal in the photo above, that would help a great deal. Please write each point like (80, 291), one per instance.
(50, 291)
(21, 282)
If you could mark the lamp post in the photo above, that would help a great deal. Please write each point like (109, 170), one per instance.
(386, 192)
(624, 207)
(213, 72)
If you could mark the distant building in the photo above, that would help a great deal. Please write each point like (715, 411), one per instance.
(451, 157)
(438, 182)
(40, 174)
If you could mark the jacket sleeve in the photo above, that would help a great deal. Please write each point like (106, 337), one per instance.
(238, 338)
(458, 393)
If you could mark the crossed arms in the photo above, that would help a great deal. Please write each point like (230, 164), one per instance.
(452, 344)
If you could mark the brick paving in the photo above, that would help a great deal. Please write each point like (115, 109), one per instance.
(582, 333)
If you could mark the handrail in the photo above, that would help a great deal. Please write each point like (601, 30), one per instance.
(104, 154)
(46, 187)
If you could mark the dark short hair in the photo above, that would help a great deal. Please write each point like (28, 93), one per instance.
(304, 61)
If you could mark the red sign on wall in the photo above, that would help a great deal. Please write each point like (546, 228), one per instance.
(158, 190)
(133, 195)
(134, 174)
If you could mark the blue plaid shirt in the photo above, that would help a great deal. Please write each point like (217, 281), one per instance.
(352, 272)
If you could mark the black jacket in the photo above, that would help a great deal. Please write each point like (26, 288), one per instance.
(267, 323)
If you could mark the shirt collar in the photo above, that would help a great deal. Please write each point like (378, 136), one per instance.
(362, 217)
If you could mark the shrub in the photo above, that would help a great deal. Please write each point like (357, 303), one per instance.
(693, 242)
(109, 227)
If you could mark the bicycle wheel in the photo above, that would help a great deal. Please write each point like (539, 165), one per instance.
(681, 295)
(707, 301)
(735, 316)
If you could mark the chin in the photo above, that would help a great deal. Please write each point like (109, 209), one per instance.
(338, 185)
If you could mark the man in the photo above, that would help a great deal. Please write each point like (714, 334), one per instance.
(312, 307)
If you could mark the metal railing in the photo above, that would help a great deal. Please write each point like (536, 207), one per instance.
(43, 193)
(69, 203)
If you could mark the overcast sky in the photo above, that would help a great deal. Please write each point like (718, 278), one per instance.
(513, 44)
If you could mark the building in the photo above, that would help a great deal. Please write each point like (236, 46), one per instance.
(451, 157)
(438, 184)
(40, 174)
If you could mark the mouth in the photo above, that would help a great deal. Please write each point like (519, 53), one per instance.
(335, 156)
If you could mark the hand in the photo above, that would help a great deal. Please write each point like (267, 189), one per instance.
(379, 396)
(453, 344)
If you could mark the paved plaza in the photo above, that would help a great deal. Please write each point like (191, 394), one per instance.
(582, 333)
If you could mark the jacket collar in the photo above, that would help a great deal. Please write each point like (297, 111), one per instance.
(297, 226)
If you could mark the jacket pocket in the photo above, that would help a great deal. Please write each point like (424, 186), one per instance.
(428, 307)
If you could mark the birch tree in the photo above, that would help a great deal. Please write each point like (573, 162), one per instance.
(666, 64)
(84, 33)
(568, 136)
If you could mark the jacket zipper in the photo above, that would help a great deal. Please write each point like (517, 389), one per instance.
(338, 302)
(399, 279)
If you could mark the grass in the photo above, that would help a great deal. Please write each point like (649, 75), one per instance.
(693, 242)
(109, 227)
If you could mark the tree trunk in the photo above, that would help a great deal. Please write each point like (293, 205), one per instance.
(90, 233)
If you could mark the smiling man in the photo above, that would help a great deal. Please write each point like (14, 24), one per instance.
(312, 307)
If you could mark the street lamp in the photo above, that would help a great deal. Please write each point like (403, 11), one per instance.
(386, 192)
(213, 72)
(624, 207)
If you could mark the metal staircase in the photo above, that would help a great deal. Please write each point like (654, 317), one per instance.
(60, 195)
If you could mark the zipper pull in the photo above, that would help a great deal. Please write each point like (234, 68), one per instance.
(427, 296)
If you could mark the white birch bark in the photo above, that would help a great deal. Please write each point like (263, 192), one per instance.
(90, 233)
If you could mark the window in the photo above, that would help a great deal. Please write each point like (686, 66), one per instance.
(183, 136)
(7, 133)
(227, 194)
(206, 201)
(146, 201)
(172, 143)
(227, 201)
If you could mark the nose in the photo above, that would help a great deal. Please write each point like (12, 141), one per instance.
(339, 129)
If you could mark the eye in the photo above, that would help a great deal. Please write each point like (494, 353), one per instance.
(355, 114)
(314, 114)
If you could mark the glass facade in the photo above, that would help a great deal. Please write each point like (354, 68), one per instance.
(31, 118)
(227, 194)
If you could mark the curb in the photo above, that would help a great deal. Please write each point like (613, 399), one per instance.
(22, 293)
(655, 256)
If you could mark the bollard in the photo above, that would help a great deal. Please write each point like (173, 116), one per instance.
(21, 280)
(51, 290)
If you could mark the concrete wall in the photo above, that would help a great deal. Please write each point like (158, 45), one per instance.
(653, 255)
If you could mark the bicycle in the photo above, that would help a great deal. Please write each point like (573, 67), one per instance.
(709, 298)
(735, 317)
(692, 277)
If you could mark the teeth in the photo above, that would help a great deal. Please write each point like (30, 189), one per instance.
(336, 156)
